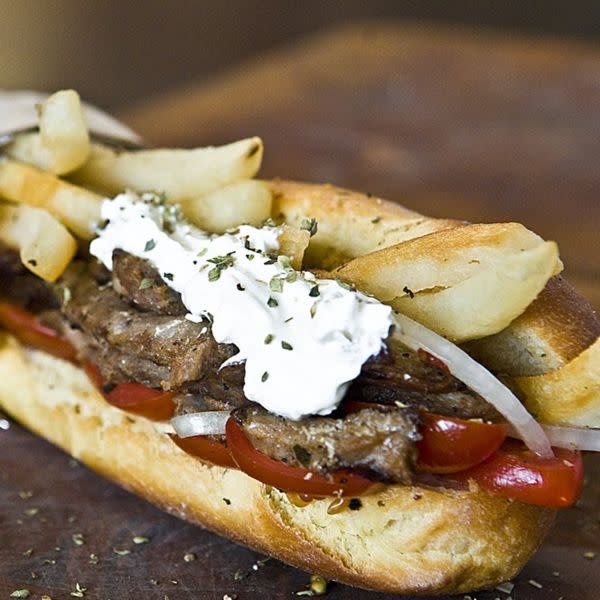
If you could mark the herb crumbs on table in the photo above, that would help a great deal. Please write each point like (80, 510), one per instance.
(141, 539)
(78, 539)
(79, 591)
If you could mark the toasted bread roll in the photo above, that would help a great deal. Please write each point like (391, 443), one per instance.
(349, 223)
(405, 540)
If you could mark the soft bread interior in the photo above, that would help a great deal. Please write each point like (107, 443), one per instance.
(404, 539)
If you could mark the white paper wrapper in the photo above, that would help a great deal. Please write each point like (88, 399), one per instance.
(17, 111)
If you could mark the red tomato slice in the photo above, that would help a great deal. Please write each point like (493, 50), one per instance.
(516, 472)
(142, 400)
(207, 449)
(28, 330)
(290, 479)
(450, 445)
(134, 397)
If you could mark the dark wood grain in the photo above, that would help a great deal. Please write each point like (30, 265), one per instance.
(456, 124)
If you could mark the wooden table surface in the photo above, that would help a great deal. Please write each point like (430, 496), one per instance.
(451, 123)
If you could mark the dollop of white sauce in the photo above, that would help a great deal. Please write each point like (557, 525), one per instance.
(302, 339)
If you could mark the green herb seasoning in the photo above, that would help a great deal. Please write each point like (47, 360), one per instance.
(309, 225)
(146, 283)
(276, 284)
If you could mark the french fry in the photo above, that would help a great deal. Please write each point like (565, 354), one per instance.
(63, 143)
(293, 242)
(64, 132)
(75, 207)
(180, 174)
(248, 201)
(464, 283)
(45, 246)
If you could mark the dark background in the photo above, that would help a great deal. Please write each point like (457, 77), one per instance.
(117, 53)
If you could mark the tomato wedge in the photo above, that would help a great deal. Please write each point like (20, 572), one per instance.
(286, 478)
(207, 449)
(516, 472)
(28, 330)
(136, 398)
(450, 445)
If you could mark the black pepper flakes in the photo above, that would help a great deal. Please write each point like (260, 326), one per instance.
(355, 504)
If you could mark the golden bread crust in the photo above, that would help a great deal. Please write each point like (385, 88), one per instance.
(569, 395)
(556, 327)
(350, 223)
(406, 540)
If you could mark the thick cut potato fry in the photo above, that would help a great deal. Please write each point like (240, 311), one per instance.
(350, 224)
(293, 242)
(247, 201)
(569, 395)
(464, 283)
(63, 143)
(75, 207)
(180, 174)
(64, 132)
(45, 246)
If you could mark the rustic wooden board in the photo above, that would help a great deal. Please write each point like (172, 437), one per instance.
(455, 124)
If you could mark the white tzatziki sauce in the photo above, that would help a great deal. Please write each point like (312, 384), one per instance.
(302, 339)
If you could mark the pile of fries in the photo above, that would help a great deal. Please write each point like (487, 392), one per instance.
(55, 181)
(464, 281)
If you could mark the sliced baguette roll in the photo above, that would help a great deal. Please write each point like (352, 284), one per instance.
(404, 540)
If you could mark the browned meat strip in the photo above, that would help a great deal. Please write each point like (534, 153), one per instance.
(19, 286)
(10, 262)
(381, 442)
(402, 377)
(157, 350)
(139, 282)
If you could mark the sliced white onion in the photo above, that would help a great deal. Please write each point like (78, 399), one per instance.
(203, 423)
(572, 438)
(478, 378)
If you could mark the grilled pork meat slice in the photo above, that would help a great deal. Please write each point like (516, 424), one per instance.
(161, 350)
(21, 287)
(138, 280)
(401, 377)
(374, 441)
